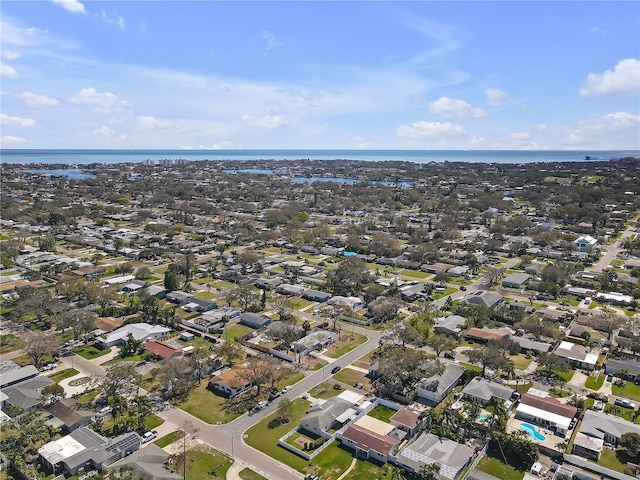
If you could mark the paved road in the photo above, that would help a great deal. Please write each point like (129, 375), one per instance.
(228, 438)
(613, 250)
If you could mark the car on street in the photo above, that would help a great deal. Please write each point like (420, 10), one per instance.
(463, 288)
(286, 389)
(273, 395)
(335, 370)
(261, 405)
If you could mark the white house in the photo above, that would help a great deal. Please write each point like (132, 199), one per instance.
(140, 331)
(585, 243)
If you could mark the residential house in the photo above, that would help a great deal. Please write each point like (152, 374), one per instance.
(629, 364)
(585, 243)
(547, 412)
(181, 298)
(28, 393)
(230, 383)
(483, 335)
(483, 298)
(354, 303)
(148, 463)
(68, 415)
(578, 355)
(515, 280)
(317, 340)
(534, 346)
(200, 305)
(368, 443)
(452, 457)
(434, 268)
(480, 390)
(331, 414)
(12, 373)
(411, 293)
(162, 350)
(254, 320)
(316, 296)
(600, 428)
(84, 449)
(436, 387)
(139, 331)
(451, 325)
(133, 287)
(407, 420)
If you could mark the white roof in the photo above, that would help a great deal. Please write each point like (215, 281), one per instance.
(553, 418)
(351, 396)
(61, 449)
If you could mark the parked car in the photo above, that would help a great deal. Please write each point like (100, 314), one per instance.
(623, 402)
(335, 370)
(149, 435)
(450, 355)
(286, 389)
(273, 395)
(463, 288)
(261, 405)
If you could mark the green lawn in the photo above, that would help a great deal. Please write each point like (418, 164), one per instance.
(521, 362)
(87, 397)
(365, 362)
(235, 330)
(208, 407)
(206, 463)
(248, 474)
(594, 383)
(345, 345)
(626, 413)
(471, 366)
(350, 376)
(9, 343)
(152, 421)
(169, 438)
(332, 461)
(324, 390)
(366, 470)
(630, 391)
(498, 469)
(297, 303)
(61, 375)
(415, 274)
(382, 413)
(262, 438)
(90, 352)
(614, 459)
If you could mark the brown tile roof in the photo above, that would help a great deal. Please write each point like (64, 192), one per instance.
(367, 440)
(484, 334)
(106, 324)
(162, 349)
(549, 404)
(233, 378)
(406, 417)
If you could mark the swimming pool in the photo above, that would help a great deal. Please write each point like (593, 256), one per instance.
(533, 433)
(483, 416)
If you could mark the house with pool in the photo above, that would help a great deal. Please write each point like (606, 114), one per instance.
(554, 417)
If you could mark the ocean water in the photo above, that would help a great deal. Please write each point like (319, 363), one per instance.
(84, 157)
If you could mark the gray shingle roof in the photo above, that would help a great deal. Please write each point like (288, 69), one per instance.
(596, 424)
(485, 389)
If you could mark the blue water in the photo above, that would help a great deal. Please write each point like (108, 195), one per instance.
(72, 173)
(531, 430)
(83, 157)
(483, 416)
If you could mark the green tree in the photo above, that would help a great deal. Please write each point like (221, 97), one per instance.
(441, 343)
(285, 409)
(631, 442)
(349, 278)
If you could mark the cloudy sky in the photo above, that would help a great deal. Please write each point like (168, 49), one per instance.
(333, 74)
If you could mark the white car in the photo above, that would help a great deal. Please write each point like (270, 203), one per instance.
(286, 389)
(261, 405)
(149, 435)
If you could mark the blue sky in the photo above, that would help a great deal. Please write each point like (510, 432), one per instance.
(346, 75)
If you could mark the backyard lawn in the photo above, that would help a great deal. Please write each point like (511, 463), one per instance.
(366, 470)
(265, 439)
(209, 407)
(498, 469)
(345, 344)
(521, 362)
(90, 352)
(235, 330)
(614, 459)
(330, 463)
(205, 463)
(382, 413)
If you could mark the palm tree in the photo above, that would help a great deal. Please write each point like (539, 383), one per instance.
(397, 473)
(429, 471)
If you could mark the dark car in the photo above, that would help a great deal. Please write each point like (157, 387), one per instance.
(463, 288)
(335, 370)
(273, 395)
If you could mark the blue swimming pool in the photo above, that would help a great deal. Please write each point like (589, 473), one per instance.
(483, 416)
(533, 433)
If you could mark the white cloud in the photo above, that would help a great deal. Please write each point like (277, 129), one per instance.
(104, 103)
(153, 123)
(362, 143)
(7, 71)
(112, 135)
(271, 40)
(10, 54)
(224, 145)
(269, 122)
(37, 101)
(597, 30)
(624, 80)
(11, 140)
(428, 130)
(17, 121)
(113, 19)
(74, 6)
(495, 96)
(451, 108)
